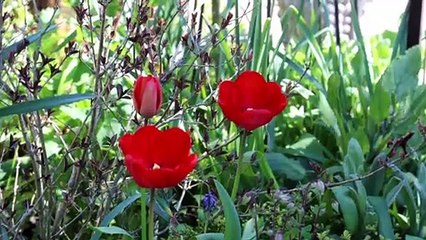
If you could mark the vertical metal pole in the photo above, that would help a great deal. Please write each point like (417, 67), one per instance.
(336, 19)
(414, 22)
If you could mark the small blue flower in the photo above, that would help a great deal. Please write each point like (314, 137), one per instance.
(209, 202)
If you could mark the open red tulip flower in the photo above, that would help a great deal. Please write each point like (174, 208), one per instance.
(147, 96)
(158, 159)
(250, 101)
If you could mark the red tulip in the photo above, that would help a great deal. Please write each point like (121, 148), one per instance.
(158, 159)
(250, 101)
(147, 96)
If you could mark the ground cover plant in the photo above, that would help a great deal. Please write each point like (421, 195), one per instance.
(170, 120)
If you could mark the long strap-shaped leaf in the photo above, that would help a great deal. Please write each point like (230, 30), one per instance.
(232, 220)
(23, 43)
(45, 103)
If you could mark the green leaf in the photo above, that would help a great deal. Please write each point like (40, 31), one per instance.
(385, 222)
(210, 236)
(18, 46)
(247, 166)
(113, 8)
(401, 76)
(46, 103)
(299, 88)
(67, 40)
(232, 220)
(309, 147)
(361, 45)
(360, 197)
(400, 44)
(353, 163)
(312, 41)
(380, 105)
(374, 183)
(327, 114)
(264, 50)
(420, 184)
(249, 232)
(407, 198)
(281, 165)
(336, 93)
(392, 190)
(113, 230)
(301, 70)
(117, 210)
(410, 237)
(74, 72)
(418, 104)
(266, 170)
(347, 206)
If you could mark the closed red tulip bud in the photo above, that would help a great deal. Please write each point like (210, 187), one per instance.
(250, 101)
(158, 159)
(147, 96)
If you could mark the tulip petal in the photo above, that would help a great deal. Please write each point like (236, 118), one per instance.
(184, 169)
(172, 148)
(251, 90)
(254, 118)
(228, 94)
(148, 107)
(276, 101)
(126, 143)
(162, 177)
(147, 95)
(232, 114)
(250, 101)
(138, 89)
(158, 159)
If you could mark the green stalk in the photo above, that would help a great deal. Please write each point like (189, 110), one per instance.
(143, 214)
(151, 214)
(143, 201)
(237, 38)
(206, 224)
(239, 165)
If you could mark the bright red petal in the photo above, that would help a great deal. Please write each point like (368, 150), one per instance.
(229, 100)
(231, 113)
(138, 92)
(183, 170)
(164, 177)
(172, 148)
(158, 159)
(276, 100)
(255, 118)
(228, 94)
(126, 143)
(251, 90)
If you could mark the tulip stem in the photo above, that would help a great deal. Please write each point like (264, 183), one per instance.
(143, 214)
(239, 165)
(151, 214)
(237, 38)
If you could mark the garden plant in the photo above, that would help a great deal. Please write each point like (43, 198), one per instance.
(155, 119)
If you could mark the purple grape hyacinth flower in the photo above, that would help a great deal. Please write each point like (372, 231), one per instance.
(209, 202)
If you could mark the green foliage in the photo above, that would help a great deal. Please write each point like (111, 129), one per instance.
(283, 166)
(347, 203)
(232, 221)
(112, 230)
(345, 159)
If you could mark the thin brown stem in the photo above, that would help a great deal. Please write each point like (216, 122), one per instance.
(96, 111)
